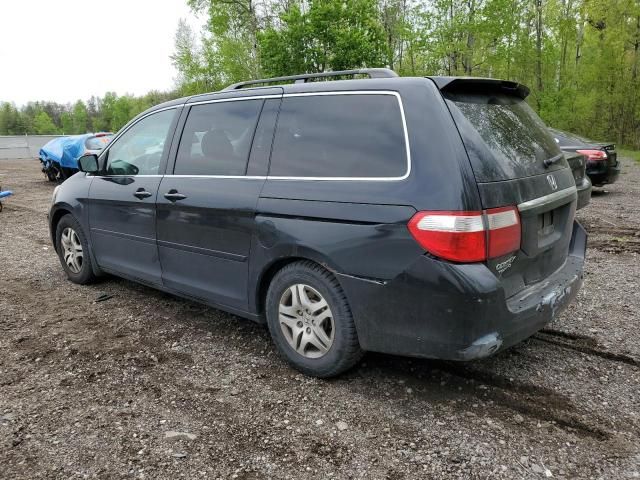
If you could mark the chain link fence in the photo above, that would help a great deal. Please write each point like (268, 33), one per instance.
(22, 146)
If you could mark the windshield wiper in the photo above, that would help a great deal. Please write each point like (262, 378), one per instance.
(550, 161)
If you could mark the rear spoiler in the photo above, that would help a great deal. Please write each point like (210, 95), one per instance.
(480, 85)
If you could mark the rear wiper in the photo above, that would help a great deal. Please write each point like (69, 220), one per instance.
(550, 161)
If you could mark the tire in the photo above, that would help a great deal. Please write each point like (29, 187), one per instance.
(54, 173)
(305, 285)
(51, 175)
(73, 251)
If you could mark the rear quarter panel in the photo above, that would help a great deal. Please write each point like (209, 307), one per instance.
(359, 227)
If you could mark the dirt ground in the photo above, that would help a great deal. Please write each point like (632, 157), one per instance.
(98, 389)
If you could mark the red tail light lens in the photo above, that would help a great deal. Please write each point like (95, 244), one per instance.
(504, 231)
(456, 236)
(594, 155)
(467, 236)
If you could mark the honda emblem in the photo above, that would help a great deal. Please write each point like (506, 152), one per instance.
(552, 182)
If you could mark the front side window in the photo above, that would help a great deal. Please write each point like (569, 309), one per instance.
(97, 143)
(139, 150)
(346, 136)
(217, 138)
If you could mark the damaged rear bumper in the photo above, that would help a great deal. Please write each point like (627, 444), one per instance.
(449, 311)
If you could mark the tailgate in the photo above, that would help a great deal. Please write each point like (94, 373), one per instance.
(546, 218)
(516, 162)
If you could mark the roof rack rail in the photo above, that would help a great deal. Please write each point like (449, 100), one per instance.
(372, 72)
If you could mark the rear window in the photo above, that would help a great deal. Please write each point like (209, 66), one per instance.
(503, 136)
(346, 136)
(97, 143)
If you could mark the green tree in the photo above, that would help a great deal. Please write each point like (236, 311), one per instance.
(331, 35)
(80, 118)
(66, 120)
(187, 59)
(43, 124)
(13, 121)
(122, 112)
(229, 50)
(104, 119)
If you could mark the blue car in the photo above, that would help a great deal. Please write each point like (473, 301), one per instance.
(4, 194)
(59, 157)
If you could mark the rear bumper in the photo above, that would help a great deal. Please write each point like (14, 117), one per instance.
(584, 192)
(442, 310)
(602, 173)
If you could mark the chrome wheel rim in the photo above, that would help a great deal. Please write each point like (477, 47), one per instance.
(306, 321)
(72, 250)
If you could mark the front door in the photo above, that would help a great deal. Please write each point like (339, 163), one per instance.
(122, 208)
(206, 206)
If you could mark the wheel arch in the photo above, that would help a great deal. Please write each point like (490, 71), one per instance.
(271, 269)
(56, 215)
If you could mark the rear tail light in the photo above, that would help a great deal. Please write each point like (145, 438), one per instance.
(504, 231)
(594, 155)
(467, 236)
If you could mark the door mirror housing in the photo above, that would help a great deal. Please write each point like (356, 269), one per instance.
(88, 163)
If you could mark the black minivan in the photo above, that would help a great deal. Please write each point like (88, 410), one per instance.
(429, 217)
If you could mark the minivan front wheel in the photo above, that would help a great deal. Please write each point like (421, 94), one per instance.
(73, 251)
(310, 320)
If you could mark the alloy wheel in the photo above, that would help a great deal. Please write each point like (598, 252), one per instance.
(306, 321)
(72, 250)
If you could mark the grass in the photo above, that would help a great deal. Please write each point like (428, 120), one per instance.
(634, 154)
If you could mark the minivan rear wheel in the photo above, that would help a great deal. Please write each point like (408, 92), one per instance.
(310, 320)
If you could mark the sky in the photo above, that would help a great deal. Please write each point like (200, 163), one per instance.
(66, 50)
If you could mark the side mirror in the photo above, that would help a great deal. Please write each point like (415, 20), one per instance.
(88, 163)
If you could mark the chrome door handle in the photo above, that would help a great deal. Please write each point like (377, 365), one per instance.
(174, 196)
(141, 193)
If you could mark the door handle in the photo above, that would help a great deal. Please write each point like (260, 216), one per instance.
(174, 196)
(141, 193)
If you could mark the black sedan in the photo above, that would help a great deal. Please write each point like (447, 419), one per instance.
(602, 160)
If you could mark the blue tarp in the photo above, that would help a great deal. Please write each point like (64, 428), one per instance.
(64, 150)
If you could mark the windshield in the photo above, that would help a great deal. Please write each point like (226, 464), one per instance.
(503, 136)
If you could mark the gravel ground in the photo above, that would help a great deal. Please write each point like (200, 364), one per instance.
(149, 385)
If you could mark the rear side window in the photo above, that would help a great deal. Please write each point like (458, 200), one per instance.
(346, 136)
(217, 137)
(503, 136)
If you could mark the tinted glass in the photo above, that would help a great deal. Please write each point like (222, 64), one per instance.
(339, 136)
(139, 150)
(263, 138)
(97, 143)
(217, 137)
(503, 136)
